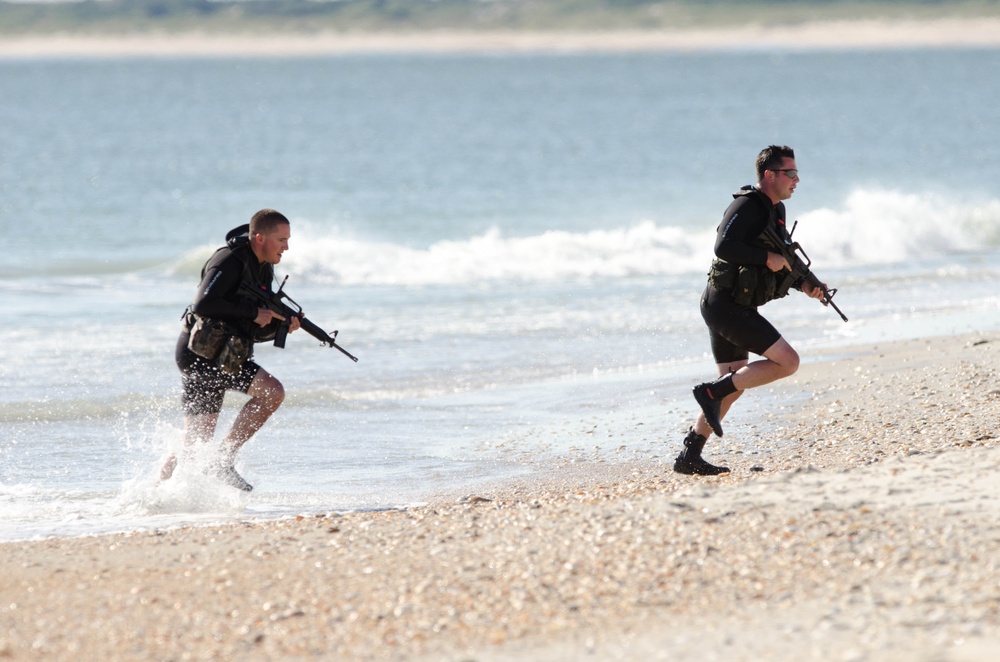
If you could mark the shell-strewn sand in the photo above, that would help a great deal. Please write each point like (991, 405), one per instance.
(868, 34)
(868, 530)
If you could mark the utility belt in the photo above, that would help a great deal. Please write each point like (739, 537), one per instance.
(217, 341)
(750, 286)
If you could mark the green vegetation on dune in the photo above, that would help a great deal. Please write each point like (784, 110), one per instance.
(258, 16)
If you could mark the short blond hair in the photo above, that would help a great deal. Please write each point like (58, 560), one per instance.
(265, 221)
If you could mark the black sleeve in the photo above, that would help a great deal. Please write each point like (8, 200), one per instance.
(742, 223)
(217, 296)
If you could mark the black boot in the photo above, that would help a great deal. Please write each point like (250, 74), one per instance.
(689, 461)
(709, 397)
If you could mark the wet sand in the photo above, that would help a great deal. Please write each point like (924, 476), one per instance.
(865, 528)
(867, 34)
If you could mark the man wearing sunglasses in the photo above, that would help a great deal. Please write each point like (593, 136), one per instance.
(743, 277)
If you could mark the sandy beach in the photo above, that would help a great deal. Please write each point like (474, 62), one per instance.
(865, 528)
(861, 34)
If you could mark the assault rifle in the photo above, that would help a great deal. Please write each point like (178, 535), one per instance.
(799, 263)
(275, 301)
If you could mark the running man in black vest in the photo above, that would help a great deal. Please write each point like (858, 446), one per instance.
(745, 275)
(249, 256)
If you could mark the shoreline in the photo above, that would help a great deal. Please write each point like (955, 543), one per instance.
(873, 34)
(865, 530)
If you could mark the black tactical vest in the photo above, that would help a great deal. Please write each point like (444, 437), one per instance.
(752, 285)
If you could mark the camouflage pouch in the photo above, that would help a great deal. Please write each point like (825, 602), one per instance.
(745, 291)
(207, 337)
(235, 352)
(722, 275)
(767, 288)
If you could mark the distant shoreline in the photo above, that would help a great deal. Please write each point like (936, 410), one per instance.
(831, 35)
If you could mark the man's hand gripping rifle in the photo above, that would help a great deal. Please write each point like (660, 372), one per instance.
(276, 302)
(799, 263)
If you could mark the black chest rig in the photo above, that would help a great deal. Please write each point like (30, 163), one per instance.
(753, 285)
(230, 343)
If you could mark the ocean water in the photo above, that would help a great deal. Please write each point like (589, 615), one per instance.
(513, 246)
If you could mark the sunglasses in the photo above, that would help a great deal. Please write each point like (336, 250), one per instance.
(792, 173)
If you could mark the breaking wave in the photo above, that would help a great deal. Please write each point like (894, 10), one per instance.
(870, 227)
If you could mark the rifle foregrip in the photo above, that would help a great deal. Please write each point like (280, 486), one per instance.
(812, 280)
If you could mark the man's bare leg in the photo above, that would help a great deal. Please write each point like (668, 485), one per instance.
(266, 395)
(779, 361)
(197, 427)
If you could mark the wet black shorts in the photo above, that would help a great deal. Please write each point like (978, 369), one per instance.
(735, 330)
(204, 384)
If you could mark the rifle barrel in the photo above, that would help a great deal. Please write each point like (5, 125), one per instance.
(829, 301)
(324, 337)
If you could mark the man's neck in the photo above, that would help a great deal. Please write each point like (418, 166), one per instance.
(770, 196)
(255, 250)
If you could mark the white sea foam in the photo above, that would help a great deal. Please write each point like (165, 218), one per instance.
(884, 227)
(642, 249)
(870, 227)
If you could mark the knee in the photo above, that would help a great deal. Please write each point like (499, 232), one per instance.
(790, 363)
(784, 359)
(276, 395)
(270, 394)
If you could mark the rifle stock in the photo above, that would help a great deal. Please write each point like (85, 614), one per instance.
(800, 263)
(275, 301)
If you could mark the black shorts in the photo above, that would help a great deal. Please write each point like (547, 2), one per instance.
(735, 330)
(204, 384)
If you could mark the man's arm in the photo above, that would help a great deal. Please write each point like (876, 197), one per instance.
(742, 223)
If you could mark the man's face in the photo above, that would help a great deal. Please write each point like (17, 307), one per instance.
(271, 245)
(783, 179)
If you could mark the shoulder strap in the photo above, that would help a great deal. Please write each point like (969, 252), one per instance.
(754, 193)
(776, 212)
